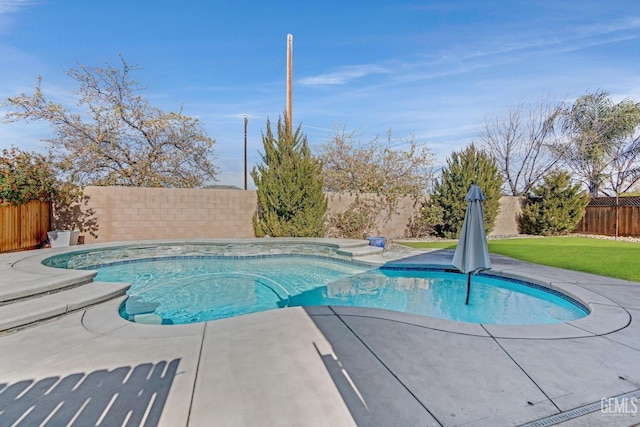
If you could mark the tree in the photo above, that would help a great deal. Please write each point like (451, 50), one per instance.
(595, 127)
(119, 139)
(554, 207)
(350, 166)
(522, 144)
(27, 176)
(378, 175)
(464, 168)
(622, 172)
(291, 202)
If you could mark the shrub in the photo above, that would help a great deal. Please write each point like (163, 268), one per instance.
(424, 222)
(356, 222)
(27, 176)
(554, 207)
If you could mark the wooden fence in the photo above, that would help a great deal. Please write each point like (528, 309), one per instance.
(25, 226)
(610, 217)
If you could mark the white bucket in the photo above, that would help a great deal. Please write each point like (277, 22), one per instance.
(62, 238)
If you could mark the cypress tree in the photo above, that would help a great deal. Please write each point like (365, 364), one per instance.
(464, 168)
(553, 207)
(291, 201)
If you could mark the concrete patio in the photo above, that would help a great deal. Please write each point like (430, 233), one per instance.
(325, 366)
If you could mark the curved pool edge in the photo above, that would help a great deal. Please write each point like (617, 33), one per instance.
(104, 319)
(605, 317)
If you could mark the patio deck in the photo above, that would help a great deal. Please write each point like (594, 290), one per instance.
(320, 366)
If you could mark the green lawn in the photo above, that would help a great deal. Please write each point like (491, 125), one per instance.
(605, 257)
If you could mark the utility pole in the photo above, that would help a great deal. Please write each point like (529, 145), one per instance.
(290, 83)
(246, 120)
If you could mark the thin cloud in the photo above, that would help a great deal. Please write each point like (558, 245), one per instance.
(631, 23)
(344, 75)
(9, 19)
(492, 55)
(504, 45)
(11, 6)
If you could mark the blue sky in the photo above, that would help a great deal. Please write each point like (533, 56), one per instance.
(432, 69)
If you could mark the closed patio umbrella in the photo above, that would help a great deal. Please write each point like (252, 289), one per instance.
(472, 253)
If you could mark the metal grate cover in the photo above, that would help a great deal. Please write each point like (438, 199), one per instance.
(577, 412)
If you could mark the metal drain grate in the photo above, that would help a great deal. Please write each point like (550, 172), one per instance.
(578, 412)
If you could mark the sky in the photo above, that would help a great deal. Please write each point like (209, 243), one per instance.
(435, 70)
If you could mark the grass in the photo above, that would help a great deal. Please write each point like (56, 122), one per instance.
(610, 258)
(441, 244)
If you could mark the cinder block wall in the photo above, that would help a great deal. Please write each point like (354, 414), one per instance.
(394, 226)
(130, 213)
(506, 222)
(391, 226)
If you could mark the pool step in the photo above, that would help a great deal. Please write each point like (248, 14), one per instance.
(24, 285)
(27, 311)
(363, 249)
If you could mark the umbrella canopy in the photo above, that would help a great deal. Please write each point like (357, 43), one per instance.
(472, 253)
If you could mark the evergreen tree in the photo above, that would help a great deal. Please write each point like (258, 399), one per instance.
(291, 202)
(464, 168)
(554, 207)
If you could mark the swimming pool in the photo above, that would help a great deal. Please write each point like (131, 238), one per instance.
(179, 285)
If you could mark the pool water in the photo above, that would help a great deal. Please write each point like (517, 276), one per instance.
(189, 290)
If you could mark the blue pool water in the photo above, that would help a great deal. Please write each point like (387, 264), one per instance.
(189, 290)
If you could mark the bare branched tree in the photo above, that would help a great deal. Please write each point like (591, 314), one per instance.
(378, 174)
(522, 144)
(356, 167)
(119, 139)
(622, 172)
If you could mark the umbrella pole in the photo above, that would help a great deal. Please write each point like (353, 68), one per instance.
(468, 287)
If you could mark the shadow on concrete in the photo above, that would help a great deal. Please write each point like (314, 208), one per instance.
(122, 396)
(349, 391)
(442, 258)
(373, 394)
(436, 258)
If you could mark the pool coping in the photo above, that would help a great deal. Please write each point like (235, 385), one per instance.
(606, 316)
